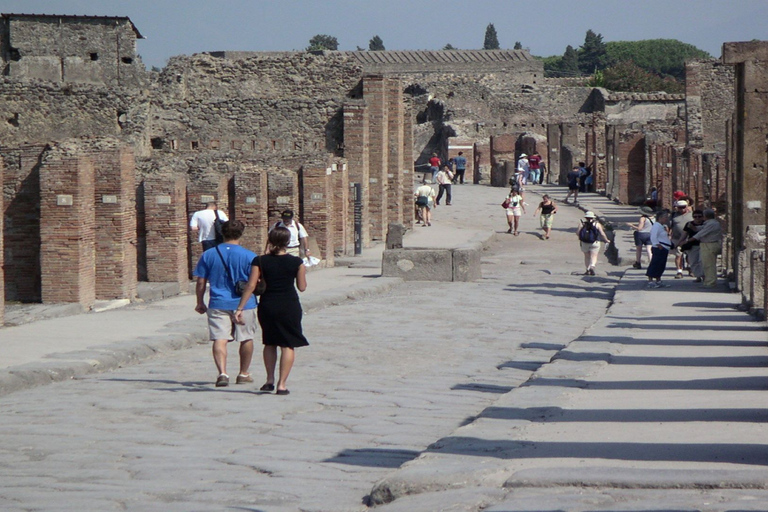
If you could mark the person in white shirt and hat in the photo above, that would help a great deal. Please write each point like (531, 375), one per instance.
(524, 168)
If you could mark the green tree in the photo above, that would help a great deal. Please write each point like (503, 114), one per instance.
(449, 46)
(593, 55)
(491, 38)
(660, 56)
(569, 64)
(376, 44)
(628, 76)
(518, 45)
(323, 42)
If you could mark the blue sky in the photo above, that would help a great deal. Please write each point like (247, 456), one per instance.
(174, 27)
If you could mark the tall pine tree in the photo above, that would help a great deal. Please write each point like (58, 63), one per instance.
(491, 39)
(593, 55)
(376, 44)
(569, 65)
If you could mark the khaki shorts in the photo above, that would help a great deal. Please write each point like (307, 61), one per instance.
(587, 247)
(294, 251)
(222, 326)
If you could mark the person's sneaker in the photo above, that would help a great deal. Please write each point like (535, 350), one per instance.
(591, 271)
(222, 381)
(659, 284)
(698, 280)
(636, 265)
(651, 284)
(243, 379)
(679, 275)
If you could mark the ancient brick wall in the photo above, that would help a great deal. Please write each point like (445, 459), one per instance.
(317, 211)
(709, 102)
(166, 225)
(343, 221)
(251, 205)
(2, 251)
(375, 95)
(356, 151)
(71, 49)
(67, 227)
(395, 152)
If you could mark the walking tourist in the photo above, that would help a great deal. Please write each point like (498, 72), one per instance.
(297, 246)
(425, 197)
(534, 166)
(709, 237)
(434, 165)
(515, 207)
(279, 310)
(460, 162)
(590, 234)
(642, 235)
(444, 179)
(679, 218)
(524, 168)
(660, 246)
(548, 209)
(573, 184)
(205, 222)
(222, 268)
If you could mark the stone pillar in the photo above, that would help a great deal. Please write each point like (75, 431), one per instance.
(395, 161)
(356, 146)
(553, 154)
(343, 223)
(251, 205)
(2, 249)
(116, 215)
(502, 150)
(569, 137)
(408, 165)
(202, 189)
(375, 96)
(165, 207)
(318, 208)
(67, 227)
(481, 160)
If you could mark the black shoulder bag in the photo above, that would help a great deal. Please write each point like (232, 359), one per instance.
(239, 285)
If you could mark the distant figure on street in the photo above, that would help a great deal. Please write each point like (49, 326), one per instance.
(660, 246)
(297, 246)
(590, 234)
(515, 208)
(534, 168)
(548, 209)
(573, 184)
(279, 309)
(203, 224)
(524, 168)
(691, 247)
(222, 268)
(444, 179)
(677, 221)
(425, 196)
(709, 237)
(461, 167)
(584, 171)
(434, 166)
(642, 235)
(652, 199)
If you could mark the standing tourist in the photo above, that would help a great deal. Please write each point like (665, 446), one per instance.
(434, 166)
(660, 245)
(534, 166)
(515, 207)
(203, 223)
(279, 310)
(642, 235)
(590, 234)
(524, 168)
(297, 246)
(691, 246)
(425, 196)
(444, 179)
(548, 210)
(222, 268)
(681, 216)
(461, 167)
(709, 237)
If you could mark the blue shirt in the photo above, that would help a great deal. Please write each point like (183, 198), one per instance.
(461, 162)
(222, 288)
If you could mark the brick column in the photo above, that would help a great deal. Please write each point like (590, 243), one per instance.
(408, 160)
(356, 137)
(395, 161)
(251, 204)
(2, 250)
(203, 189)
(116, 216)
(283, 191)
(165, 206)
(67, 227)
(553, 155)
(343, 223)
(375, 96)
(318, 208)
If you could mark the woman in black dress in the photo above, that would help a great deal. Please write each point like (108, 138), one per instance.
(279, 309)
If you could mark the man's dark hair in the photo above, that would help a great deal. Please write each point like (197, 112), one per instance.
(287, 214)
(461, 153)
(232, 229)
(279, 238)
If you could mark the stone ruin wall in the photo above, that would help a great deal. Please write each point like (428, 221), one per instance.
(710, 100)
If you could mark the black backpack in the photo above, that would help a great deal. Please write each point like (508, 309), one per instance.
(589, 233)
(217, 228)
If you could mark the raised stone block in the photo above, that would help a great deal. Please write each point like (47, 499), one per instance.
(466, 263)
(418, 264)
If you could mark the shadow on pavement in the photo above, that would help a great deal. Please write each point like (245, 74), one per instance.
(717, 384)
(715, 362)
(558, 415)
(483, 388)
(374, 457)
(663, 342)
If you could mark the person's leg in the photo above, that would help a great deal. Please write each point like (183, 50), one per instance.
(220, 355)
(587, 259)
(593, 254)
(448, 194)
(649, 252)
(516, 220)
(246, 355)
(287, 356)
(708, 255)
(440, 190)
(576, 196)
(428, 215)
(270, 361)
(694, 259)
(679, 264)
(510, 220)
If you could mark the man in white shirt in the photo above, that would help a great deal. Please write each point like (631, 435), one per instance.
(298, 244)
(202, 224)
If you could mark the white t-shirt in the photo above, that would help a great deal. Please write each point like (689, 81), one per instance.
(203, 222)
(297, 231)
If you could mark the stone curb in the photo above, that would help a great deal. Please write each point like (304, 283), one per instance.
(74, 365)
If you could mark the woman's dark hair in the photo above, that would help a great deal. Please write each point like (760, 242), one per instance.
(232, 229)
(278, 239)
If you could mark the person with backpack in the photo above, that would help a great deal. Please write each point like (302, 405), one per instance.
(207, 225)
(590, 234)
(297, 246)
